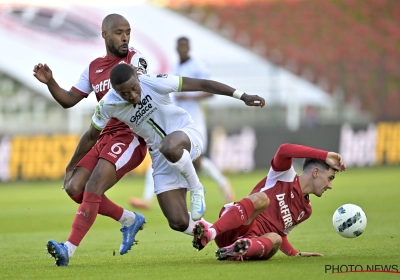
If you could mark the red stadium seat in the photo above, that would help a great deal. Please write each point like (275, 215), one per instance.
(351, 43)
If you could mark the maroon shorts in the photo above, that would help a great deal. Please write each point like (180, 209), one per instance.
(123, 148)
(227, 238)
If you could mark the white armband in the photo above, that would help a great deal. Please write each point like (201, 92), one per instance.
(237, 94)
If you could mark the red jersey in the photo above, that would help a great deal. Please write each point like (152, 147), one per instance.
(96, 78)
(288, 206)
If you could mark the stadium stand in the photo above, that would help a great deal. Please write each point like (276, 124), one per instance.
(351, 44)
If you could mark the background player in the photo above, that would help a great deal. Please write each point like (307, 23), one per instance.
(118, 150)
(172, 138)
(191, 102)
(257, 226)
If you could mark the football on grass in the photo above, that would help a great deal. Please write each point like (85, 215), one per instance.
(349, 220)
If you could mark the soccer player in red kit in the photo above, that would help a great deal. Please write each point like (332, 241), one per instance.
(117, 151)
(257, 226)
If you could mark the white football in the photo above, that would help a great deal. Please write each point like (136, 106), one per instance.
(349, 220)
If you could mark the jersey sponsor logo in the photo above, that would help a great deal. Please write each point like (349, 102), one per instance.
(162, 76)
(285, 211)
(143, 109)
(300, 216)
(102, 86)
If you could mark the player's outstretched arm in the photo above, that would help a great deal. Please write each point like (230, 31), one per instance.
(288, 250)
(66, 99)
(86, 142)
(191, 84)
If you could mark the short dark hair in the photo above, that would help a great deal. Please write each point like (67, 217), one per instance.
(121, 73)
(183, 38)
(309, 163)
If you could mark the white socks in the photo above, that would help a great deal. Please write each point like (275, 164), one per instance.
(127, 218)
(210, 169)
(185, 166)
(188, 231)
(71, 248)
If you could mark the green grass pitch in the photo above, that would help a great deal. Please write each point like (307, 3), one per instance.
(32, 213)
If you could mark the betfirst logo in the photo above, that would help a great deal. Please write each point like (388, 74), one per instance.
(102, 86)
(285, 211)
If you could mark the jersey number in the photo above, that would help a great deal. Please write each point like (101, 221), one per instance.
(116, 149)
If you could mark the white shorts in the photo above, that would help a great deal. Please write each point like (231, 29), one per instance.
(166, 177)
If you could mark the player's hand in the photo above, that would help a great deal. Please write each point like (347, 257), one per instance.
(43, 73)
(309, 254)
(68, 175)
(335, 161)
(253, 100)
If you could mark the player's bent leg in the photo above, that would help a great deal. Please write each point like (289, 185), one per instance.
(235, 251)
(260, 201)
(263, 247)
(180, 150)
(276, 240)
(174, 208)
(76, 184)
(103, 178)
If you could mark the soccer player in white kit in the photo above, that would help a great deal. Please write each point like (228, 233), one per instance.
(191, 102)
(170, 133)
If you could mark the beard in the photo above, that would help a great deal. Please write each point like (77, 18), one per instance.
(114, 50)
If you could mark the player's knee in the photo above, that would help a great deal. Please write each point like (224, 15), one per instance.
(165, 146)
(73, 188)
(260, 200)
(172, 150)
(178, 222)
(275, 238)
(178, 225)
(98, 189)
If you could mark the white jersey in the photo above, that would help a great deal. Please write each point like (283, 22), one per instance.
(154, 117)
(193, 68)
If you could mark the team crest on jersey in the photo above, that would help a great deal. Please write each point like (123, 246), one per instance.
(162, 75)
(142, 65)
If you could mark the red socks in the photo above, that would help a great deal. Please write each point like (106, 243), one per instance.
(85, 217)
(259, 249)
(77, 198)
(106, 208)
(110, 209)
(235, 216)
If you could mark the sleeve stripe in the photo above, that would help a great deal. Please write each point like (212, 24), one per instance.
(84, 94)
(180, 84)
(96, 127)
